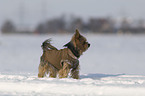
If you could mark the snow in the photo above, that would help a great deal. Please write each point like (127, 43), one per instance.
(29, 84)
(119, 59)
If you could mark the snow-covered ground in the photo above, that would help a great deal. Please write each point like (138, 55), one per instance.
(119, 59)
(88, 85)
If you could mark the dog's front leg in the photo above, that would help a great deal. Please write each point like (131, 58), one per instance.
(63, 73)
(75, 72)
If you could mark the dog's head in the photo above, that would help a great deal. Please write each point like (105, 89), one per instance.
(78, 44)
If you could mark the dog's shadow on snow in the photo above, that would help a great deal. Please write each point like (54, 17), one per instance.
(98, 76)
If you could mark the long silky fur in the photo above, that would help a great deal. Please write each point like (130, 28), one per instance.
(75, 45)
(46, 45)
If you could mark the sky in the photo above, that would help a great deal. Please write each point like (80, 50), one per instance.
(31, 12)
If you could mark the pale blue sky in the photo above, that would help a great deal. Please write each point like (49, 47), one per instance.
(34, 10)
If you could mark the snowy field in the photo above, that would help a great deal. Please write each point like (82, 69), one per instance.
(112, 66)
(88, 85)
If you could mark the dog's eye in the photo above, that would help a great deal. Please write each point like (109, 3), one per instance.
(84, 43)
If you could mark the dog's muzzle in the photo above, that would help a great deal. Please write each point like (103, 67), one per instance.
(88, 44)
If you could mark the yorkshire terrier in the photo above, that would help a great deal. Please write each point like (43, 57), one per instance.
(64, 61)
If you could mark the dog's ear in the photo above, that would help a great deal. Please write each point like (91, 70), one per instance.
(77, 34)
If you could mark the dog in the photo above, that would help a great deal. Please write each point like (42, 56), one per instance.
(64, 61)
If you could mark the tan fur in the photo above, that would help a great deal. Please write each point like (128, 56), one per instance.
(63, 73)
(64, 61)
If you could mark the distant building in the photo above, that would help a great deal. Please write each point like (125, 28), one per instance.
(100, 25)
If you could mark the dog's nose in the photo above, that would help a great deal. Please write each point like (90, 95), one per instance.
(88, 44)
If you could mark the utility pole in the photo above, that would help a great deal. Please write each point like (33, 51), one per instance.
(21, 15)
(44, 10)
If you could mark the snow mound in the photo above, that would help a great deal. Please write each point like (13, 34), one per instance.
(88, 85)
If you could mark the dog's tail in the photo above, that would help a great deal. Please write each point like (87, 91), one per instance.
(46, 45)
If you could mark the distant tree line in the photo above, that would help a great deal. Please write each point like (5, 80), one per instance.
(8, 26)
(95, 25)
